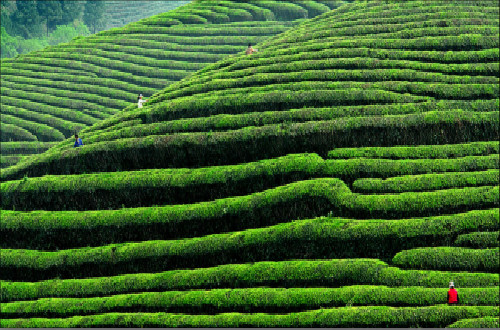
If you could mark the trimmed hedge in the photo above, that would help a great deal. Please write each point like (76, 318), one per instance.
(25, 147)
(64, 126)
(449, 258)
(298, 273)
(184, 186)
(269, 300)
(412, 152)
(42, 132)
(251, 143)
(426, 182)
(13, 133)
(6, 161)
(303, 199)
(480, 322)
(433, 316)
(479, 240)
(317, 238)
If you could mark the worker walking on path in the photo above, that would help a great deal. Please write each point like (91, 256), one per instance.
(140, 101)
(452, 295)
(250, 50)
(78, 141)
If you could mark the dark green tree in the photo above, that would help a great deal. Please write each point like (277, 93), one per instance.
(26, 19)
(71, 10)
(51, 11)
(93, 15)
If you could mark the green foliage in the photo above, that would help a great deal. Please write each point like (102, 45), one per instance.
(246, 300)
(12, 46)
(244, 145)
(481, 240)
(24, 147)
(293, 201)
(433, 316)
(15, 133)
(402, 152)
(64, 33)
(480, 322)
(427, 182)
(299, 273)
(401, 91)
(94, 14)
(151, 187)
(449, 258)
(316, 238)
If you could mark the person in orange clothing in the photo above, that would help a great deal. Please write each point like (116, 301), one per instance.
(452, 295)
(250, 50)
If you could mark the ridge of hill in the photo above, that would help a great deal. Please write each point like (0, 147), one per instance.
(51, 94)
(340, 177)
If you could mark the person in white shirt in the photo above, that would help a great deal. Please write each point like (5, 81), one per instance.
(140, 101)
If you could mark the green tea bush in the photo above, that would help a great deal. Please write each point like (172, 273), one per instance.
(433, 316)
(480, 322)
(317, 238)
(183, 186)
(15, 133)
(481, 240)
(426, 182)
(41, 131)
(9, 148)
(449, 258)
(244, 145)
(268, 300)
(298, 273)
(424, 152)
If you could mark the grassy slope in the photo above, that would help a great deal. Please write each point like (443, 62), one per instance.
(53, 93)
(392, 109)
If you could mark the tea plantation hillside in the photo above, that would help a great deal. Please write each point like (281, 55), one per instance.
(340, 177)
(120, 12)
(52, 94)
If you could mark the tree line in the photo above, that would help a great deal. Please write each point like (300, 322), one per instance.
(39, 18)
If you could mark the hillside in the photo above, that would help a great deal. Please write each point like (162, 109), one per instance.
(51, 94)
(340, 177)
(122, 12)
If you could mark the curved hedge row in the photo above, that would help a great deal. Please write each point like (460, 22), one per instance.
(432, 316)
(182, 186)
(449, 258)
(58, 77)
(9, 148)
(480, 240)
(270, 300)
(298, 273)
(247, 144)
(298, 200)
(426, 152)
(43, 132)
(479, 322)
(318, 238)
(14, 133)
(426, 182)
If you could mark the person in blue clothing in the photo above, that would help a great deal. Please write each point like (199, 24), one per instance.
(78, 141)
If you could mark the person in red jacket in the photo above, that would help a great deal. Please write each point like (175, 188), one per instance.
(452, 295)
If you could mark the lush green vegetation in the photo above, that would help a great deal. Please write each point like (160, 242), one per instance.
(101, 74)
(341, 176)
(479, 240)
(433, 316)
(246, 300)
(480, 322)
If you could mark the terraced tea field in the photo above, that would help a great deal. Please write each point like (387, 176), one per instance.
(51, 94)
(340, 177)
(120, 12)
